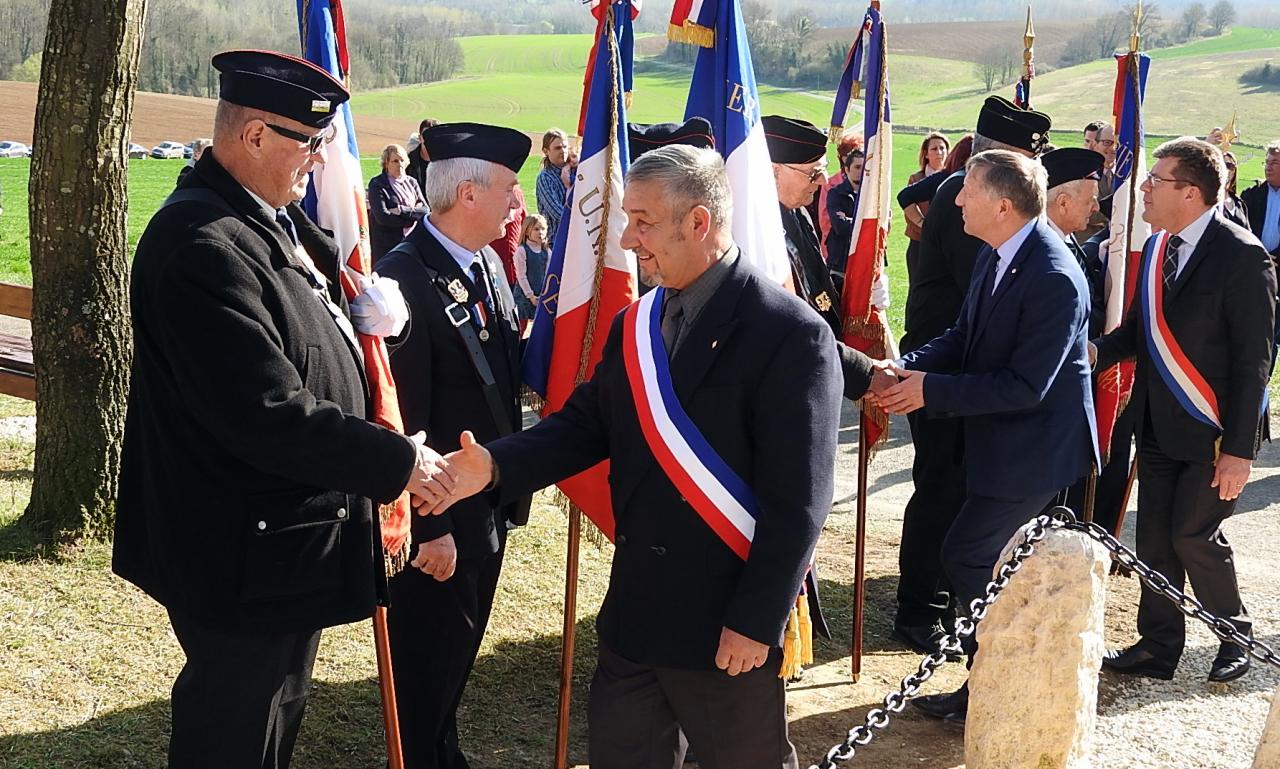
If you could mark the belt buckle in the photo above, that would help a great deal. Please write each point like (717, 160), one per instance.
(458, 318)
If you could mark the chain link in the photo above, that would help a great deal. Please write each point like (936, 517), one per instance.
(1035, 531)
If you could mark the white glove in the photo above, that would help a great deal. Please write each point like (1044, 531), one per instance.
(379, 309)
(880, 292)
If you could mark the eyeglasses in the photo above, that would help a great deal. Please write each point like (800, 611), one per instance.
(313, 142)
(813, 175)
(1153, 180)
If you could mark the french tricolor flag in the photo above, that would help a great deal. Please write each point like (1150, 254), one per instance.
(865, 325)
(590, 278)
(724, 92)
(335, 201)
(1128, 234)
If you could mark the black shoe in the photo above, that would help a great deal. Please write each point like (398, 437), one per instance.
(1137, 661)
(922, 638)
(1231, 663)
(950, 707)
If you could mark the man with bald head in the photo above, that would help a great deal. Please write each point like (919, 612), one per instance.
(250, 471)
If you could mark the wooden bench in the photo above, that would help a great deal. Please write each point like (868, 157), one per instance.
(17, 368)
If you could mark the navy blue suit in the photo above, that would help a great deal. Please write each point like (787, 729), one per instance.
(1015, 367)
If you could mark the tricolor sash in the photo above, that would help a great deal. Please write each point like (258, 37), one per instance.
(1188, 386)
(718, 495)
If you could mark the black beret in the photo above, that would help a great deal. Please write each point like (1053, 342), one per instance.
(504, 146)
(280, 84)
(1070, 164)
(1001, 120)
(695, 132)
(793, 141)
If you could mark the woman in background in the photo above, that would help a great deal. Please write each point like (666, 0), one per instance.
(395, 202)
(915, 197)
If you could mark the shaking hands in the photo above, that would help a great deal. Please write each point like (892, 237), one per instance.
(896, 390)
(439, 481)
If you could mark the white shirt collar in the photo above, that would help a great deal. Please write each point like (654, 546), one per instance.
(260, 201)
(1192, 233)
(460, 254)
(1054, 227)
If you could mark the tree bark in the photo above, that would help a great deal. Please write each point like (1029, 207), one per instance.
(79, 262)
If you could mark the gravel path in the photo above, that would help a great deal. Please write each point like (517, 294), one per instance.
(1143, 724)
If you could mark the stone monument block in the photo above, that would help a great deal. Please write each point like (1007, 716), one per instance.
(1268, 755)
(1033, 699)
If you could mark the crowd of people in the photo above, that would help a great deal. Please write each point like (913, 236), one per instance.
(252, 472)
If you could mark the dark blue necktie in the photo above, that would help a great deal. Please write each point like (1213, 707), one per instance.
(479, 277)
(282, 218)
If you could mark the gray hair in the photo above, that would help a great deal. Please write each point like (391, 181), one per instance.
(690, 176)
(1016, 177)
(440, 186)
(1070, 189)
(983, 144)
(1273, 147)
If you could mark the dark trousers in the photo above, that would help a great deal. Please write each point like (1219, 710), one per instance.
(1109, 495)
(974, 543)
(435, 630)
(1180, 536)
(641, 717)
(239, 699)
(938, 473)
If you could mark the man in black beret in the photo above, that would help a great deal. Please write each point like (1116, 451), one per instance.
(938, 285)
(798, 150)
(250, 471)
(641, 137)
(457, 367)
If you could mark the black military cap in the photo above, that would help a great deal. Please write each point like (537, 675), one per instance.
(793, 141)
(504, 146)
(1070, 164)
(1001, 120)
(280, 84)
(695, 132)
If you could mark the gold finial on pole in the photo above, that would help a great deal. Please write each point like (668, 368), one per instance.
(1135, 41)
(1230, 133)
(1028, 49)
(1029, 37)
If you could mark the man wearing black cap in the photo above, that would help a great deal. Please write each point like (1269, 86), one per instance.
(420, 157)
(799, 154)
(456, 368)
(249, 471)
(938, 285)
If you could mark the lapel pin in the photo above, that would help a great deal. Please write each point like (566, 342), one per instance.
(458, 291)
(714, 342)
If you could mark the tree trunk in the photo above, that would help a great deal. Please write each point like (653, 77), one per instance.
(79, 262)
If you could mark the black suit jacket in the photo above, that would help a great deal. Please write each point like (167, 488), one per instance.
(758, 374)
(1255, 203)
(439, 389)
(249, 470)
(1221, 310)
(1095, 275)
(940, 277)
(385, 228)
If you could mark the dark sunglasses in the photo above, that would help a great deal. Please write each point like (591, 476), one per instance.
(313, 141)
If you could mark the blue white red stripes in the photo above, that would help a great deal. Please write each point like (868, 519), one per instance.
(723, 90)
(719, 496)
(1189, 387)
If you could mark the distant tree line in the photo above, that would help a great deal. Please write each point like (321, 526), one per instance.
(390, 44)
(1103, 36)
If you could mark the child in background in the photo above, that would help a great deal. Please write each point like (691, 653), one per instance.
(531, 260)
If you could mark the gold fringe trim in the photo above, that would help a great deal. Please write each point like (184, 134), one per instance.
(797, 643)
(835, 133)
(531, 400)
(590, 533)
(855, 92)
(692, 33)
(628, 99)
(394, 563)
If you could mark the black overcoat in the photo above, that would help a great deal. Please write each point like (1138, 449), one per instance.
(759, 376)
(249, 470)
(440, 391)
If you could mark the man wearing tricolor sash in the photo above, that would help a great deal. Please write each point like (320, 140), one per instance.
(717, 401)
(1201, 331)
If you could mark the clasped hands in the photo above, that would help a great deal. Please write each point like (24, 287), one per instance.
(895, 389)
(436, 482)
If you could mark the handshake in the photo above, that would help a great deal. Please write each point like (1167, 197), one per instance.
(438, 481)
(896, 390)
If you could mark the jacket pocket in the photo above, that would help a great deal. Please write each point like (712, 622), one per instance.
(294, 545)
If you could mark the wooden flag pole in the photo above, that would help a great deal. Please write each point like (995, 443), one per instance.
(860, 548)
(387, 689)
(1090, 495)
(569, 634)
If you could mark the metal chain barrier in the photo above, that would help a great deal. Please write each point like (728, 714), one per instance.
(1060, 518)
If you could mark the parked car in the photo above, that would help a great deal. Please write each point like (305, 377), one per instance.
(137, 151)
(188, 150)
(14, 150)
(167, 150)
